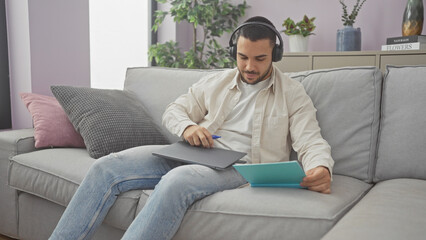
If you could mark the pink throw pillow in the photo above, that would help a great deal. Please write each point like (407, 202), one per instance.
(52, 128)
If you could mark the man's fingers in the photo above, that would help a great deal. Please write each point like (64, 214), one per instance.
(203, 139)
(198, 136)
(195, 140)
(317, 179)
(323, 188)
(315, 183)
(209, 138)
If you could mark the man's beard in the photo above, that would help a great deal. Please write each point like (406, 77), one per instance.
(259, 79)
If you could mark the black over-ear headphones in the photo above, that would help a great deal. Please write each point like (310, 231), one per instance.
(277, 52)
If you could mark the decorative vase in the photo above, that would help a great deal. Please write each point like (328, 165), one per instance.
(412, 21)
(348, 39)
(298, 43)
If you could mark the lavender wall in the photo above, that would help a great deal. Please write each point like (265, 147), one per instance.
(48, 45)
(59, 43)
(378, 19)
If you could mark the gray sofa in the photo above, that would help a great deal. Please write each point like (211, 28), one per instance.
(374, 123)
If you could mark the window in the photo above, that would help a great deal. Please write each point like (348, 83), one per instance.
(119, 38)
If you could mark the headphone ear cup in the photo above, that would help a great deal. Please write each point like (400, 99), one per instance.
(277, 53)
(233, 52)
(274, 53)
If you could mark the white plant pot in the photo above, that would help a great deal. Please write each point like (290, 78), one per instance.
(298, 43)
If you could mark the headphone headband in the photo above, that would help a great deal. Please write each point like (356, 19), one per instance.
(278, 49)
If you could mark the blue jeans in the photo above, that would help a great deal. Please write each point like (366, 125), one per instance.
(176, 188)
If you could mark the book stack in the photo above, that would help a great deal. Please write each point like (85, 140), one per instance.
(415, 42)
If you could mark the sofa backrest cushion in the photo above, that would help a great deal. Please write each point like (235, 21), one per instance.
(347, 100)
(402, 138)
(157, 87)
(348, 108)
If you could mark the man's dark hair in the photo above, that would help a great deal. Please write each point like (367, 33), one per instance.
(258, 32)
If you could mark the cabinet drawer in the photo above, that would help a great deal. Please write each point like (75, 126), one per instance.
(411, 59)
(321, 62)
(294, 64)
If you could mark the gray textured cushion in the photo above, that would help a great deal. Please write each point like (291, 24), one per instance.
(348, 104)
(402, 139)
(108, 120)
(392, 210)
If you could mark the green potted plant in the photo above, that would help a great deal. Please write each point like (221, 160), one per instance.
(349, 19)
(209, 21)
(298, 33)
(349, 38)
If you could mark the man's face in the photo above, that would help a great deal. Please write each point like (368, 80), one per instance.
(254, 59)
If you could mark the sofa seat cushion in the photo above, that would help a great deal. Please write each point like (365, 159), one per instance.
(271, 213)
(55, 174)
(393, 209)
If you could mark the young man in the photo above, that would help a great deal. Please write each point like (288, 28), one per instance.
(255, 108)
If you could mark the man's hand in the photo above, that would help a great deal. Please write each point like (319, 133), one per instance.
(317, 179)
(198, 136)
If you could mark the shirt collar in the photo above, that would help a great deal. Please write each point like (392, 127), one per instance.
(234, 83)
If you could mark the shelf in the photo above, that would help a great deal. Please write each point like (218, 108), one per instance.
(294, 62)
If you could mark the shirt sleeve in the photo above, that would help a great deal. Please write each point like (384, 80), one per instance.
(313, 150)
(186, 110)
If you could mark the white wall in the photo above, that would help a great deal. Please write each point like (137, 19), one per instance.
(118, 40)
(19, 59)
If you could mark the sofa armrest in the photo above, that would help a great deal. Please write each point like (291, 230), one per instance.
(14, 142)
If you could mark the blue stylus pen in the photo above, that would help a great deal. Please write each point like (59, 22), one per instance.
(216, 136)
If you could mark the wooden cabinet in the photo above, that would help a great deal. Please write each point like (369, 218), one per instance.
(294, 62)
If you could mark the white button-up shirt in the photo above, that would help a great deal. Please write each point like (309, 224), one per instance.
(283, 117)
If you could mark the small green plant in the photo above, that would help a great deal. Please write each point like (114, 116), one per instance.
(213, 18)
(349, 20)
(304, 27)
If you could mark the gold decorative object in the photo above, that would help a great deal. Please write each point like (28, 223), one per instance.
(412, 22)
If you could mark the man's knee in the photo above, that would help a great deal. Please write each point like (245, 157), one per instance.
(103, 165)
(185, 176)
